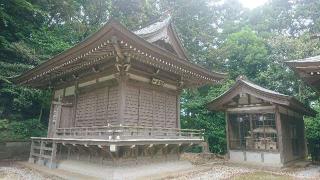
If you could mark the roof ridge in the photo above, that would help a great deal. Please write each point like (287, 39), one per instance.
(259, 87)
(307, 59)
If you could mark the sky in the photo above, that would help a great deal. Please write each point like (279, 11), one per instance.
(251, 4)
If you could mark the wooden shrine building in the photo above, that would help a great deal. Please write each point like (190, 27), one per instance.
(308, 69)
(263, 127)
(116, 97)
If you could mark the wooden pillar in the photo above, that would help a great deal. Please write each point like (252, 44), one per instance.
(57, 124)
(153, 124)
(76, 94)
(178, 109)
(50, 125)
(50, 133)
(53, 159)
(279, 133)
(305, 148)
(138, 108)
(68, 155)
(251, 129)
(227, 134)
(122, 81)
(31, 159)
(41, 159)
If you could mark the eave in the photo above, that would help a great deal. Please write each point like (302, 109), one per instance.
(243, 86)
(98, 48)
(308, 70)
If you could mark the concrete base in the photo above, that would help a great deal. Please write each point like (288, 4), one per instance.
(31, 160)
(122, 171)
(52, 165)
(40, 162)
(256, 158)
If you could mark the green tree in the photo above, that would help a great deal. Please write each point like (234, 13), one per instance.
(244, 53)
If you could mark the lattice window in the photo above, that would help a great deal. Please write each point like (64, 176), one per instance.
(253, 132)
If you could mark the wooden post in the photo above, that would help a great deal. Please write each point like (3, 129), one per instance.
(76, 94)
(305, 148)
(178, 109)
(41, 158)
(31, 159)
(56, 119)
(122, 81)
(279, 133)
(153, 124)
(139, 101)
(53, 160)
(251, 129)
(136, 153)
(227, 134)
(50, 126)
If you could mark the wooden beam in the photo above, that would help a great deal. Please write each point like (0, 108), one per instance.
(252, 109)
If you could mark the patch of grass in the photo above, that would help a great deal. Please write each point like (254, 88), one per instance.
(261, 176)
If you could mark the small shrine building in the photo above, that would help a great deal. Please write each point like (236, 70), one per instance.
(263, 126)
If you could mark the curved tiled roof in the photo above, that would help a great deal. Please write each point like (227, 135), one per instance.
(242, 85)
(163, 30)
(308, 70)
(99, 46)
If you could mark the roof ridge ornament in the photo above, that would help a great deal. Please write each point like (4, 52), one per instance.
(242, 77)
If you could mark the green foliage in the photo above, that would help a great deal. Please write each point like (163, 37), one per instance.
(196, 116)
(21, 130)
(312, 133)
(245, 54)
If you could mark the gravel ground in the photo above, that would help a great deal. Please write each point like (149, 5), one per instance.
(208, 170)
(228, 171)
(11, 171)
(215, 172)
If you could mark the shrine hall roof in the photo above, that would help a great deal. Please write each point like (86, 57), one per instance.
(157, 45)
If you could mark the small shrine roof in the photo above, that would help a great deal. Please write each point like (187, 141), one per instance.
(244, 86)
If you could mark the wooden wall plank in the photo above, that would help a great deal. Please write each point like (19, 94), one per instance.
(159, 106)
(171, 111)
(145, 108)
(150, 107)
(131, 106)
(113, 106)
(101, 107)
(85, 115)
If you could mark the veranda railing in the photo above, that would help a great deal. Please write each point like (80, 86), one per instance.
(128, 132)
